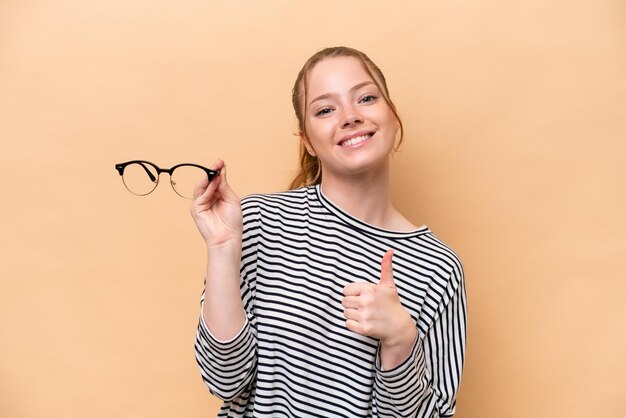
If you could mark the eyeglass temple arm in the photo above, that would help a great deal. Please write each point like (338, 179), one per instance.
(148, 172)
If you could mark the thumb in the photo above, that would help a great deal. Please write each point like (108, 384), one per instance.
(386, 270)
(224, 189)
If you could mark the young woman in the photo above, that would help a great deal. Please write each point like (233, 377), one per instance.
(324, 301)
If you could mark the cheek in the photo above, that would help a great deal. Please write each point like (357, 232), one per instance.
(320, 132)
(391, 119)
(392, 123)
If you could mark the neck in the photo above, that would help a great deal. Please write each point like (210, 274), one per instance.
(366, 197)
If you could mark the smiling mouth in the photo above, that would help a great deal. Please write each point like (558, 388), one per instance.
(356, 140)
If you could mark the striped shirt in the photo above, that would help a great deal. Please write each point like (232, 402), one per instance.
(294, 356)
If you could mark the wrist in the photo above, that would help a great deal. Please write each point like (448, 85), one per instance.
(224, 247)
(397, 347)
(405, 338)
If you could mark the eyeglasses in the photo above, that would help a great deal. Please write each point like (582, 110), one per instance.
(142, 177)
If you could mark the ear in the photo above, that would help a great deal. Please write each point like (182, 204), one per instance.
(307, 145)
(396, 136)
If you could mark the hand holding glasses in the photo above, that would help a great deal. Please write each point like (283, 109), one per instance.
(142, 177)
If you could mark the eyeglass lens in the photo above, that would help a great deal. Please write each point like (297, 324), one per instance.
(140, 179)
(185, 178)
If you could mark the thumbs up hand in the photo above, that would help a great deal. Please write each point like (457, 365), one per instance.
(375, 310)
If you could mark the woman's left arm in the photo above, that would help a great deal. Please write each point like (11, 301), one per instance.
(427, 382)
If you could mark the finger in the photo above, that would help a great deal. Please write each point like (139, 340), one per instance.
(202, 187)
(203, 184)
(354, 326)
(386, 270)
(206, 196)
(355, 289)
(224, 189)
(351, 302)
(351, 314)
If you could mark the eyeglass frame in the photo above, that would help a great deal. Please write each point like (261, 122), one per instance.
(211, 174)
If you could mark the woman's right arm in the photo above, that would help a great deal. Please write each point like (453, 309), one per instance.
(225, 342)
(217, 213)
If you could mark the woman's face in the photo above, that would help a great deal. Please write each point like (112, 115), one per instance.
(349, 125)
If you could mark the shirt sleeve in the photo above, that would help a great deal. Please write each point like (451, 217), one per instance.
(228, 368)
(425, 385)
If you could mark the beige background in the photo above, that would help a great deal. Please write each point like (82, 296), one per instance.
(515, 155)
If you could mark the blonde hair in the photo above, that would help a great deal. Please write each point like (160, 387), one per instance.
(310, 171)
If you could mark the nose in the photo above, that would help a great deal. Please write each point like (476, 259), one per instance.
(351, 117)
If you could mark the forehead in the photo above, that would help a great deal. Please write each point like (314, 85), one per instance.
(337, 74)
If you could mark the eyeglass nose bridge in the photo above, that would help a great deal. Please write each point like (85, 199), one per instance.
(166, 170)
(159, 170)
(169, 172)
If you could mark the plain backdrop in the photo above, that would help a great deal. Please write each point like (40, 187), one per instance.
(515, 155)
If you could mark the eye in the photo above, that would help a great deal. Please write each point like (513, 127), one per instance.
(323, 111)
(368, 99)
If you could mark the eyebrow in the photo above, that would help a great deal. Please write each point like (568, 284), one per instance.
(327, 95)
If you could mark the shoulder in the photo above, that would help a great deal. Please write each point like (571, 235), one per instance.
(441, 258)
(443, 270)
(295, 199)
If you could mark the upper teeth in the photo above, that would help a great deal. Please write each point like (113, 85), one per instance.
(355, 140)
